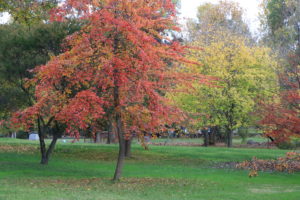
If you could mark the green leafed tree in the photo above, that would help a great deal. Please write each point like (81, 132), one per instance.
(21, 50)
(281, 22)
(28, 11)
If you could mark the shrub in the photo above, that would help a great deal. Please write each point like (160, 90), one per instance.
(286, 145)
(22, 135)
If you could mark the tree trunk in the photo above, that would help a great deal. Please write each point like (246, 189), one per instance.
(128, 148)
(47, 153)
(51, 147)
(118, 116)
(42, 143)
(206, 139)
(122, 149)
(44, 160)
(119, 130)
(229, 137)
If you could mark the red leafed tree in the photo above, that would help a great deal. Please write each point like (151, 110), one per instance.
(122, 60)
(282, 119)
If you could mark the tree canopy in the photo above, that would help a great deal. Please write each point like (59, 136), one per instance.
(120, 59)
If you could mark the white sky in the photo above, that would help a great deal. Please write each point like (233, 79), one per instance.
(3, 18)
(251, 7)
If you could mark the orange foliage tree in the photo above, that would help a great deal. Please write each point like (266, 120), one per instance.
(282, 119)
(122, 60)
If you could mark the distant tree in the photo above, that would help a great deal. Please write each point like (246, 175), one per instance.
(245, 75)
(282, 117)
(226, 15)
(28, 12)
(281, 22)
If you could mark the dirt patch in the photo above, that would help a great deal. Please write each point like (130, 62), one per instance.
(225, 165)
(93, 183)
(18, 148)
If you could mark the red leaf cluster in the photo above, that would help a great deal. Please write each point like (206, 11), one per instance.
(290, 163)
(282, 119)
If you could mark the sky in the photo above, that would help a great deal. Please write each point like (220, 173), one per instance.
(251, 7)
(189, 10)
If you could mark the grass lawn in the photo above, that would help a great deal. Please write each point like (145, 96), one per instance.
(83, 171)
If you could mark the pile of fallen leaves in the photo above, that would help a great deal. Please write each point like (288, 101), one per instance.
(289, 163)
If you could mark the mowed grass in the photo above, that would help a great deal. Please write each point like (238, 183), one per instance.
(84, 171)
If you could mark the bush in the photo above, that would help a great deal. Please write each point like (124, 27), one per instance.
(286, 145)
(22, 135)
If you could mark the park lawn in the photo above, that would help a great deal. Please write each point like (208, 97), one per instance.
(83, 171)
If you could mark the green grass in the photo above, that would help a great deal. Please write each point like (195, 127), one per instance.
(83, 171)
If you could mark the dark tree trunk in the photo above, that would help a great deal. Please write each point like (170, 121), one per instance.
(118, 116)
(272, 140)
(122, 149)
(42, 143)
(128, 148)
(229, 138)
(44, 159)
(51, 147)
(119, 129)
(206, 142)
(45, 154)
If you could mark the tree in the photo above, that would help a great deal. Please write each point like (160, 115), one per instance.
(245, 75)
(280, 21)
(226, 15)
(120, 60)
(28, 12)
(21, 50)
(282, 117)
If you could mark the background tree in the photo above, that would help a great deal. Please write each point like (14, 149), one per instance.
(281, 22)
(226, 15)
(245, 73)
(21, 50)
(282, 118)
(28, 12)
